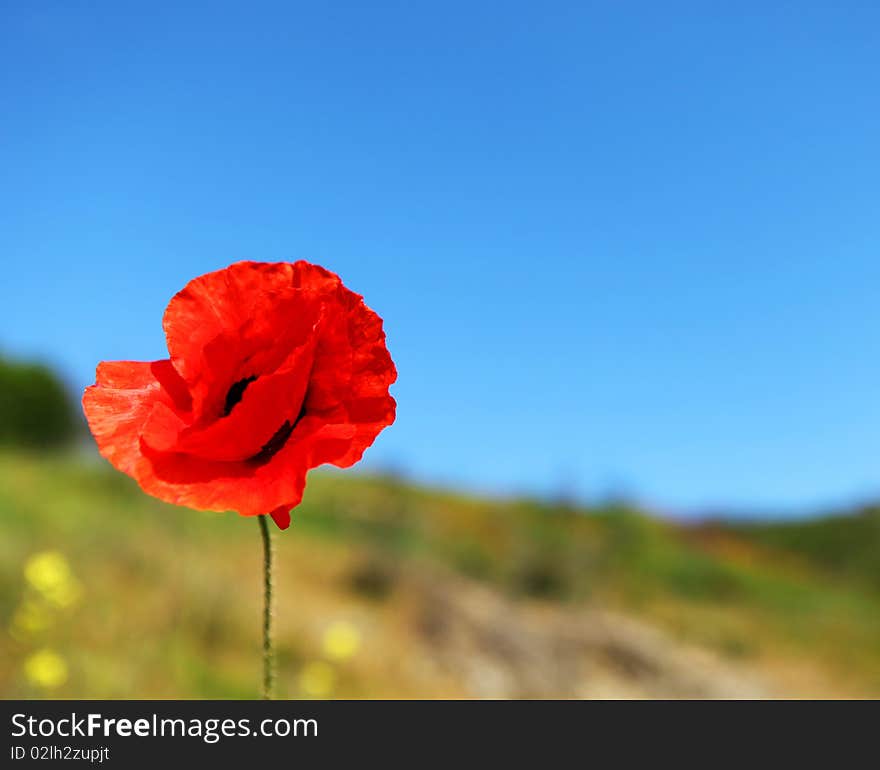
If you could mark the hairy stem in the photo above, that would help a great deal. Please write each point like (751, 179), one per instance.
(267, 607)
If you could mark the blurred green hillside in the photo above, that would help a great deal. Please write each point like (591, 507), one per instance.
(386, 589)
(35, 409)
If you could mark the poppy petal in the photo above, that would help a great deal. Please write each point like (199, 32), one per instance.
(266, 404)
(245, 317)
(274, 369)
(122, 398)
(210, 485)
(281, 516)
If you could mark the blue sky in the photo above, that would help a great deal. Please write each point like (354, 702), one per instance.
(619, 247)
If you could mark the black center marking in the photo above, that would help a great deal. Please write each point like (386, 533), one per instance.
(274, 445)
(234, 394)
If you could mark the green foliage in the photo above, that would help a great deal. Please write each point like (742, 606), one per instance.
(35, 410)
(839, 545)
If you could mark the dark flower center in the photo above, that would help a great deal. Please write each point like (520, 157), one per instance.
(274, 445)
(234, 394)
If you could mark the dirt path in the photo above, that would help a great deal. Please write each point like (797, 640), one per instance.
(496, 648)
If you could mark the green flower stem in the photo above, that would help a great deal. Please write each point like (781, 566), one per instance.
(267, 607)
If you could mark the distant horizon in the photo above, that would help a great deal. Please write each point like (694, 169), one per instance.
(708, 514)
(713, 511)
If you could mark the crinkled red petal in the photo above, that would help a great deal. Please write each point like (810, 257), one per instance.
(312, 371)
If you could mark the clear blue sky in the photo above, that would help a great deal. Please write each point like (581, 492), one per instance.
(619, 247)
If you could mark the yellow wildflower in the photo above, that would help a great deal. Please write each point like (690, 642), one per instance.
(46, 669)
(316, 680)
(341, 641)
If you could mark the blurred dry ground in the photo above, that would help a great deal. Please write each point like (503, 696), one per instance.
(389, 590)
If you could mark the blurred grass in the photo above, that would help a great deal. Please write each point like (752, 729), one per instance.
(168, 599)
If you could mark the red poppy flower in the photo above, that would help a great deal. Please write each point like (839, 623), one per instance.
(274, 368)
